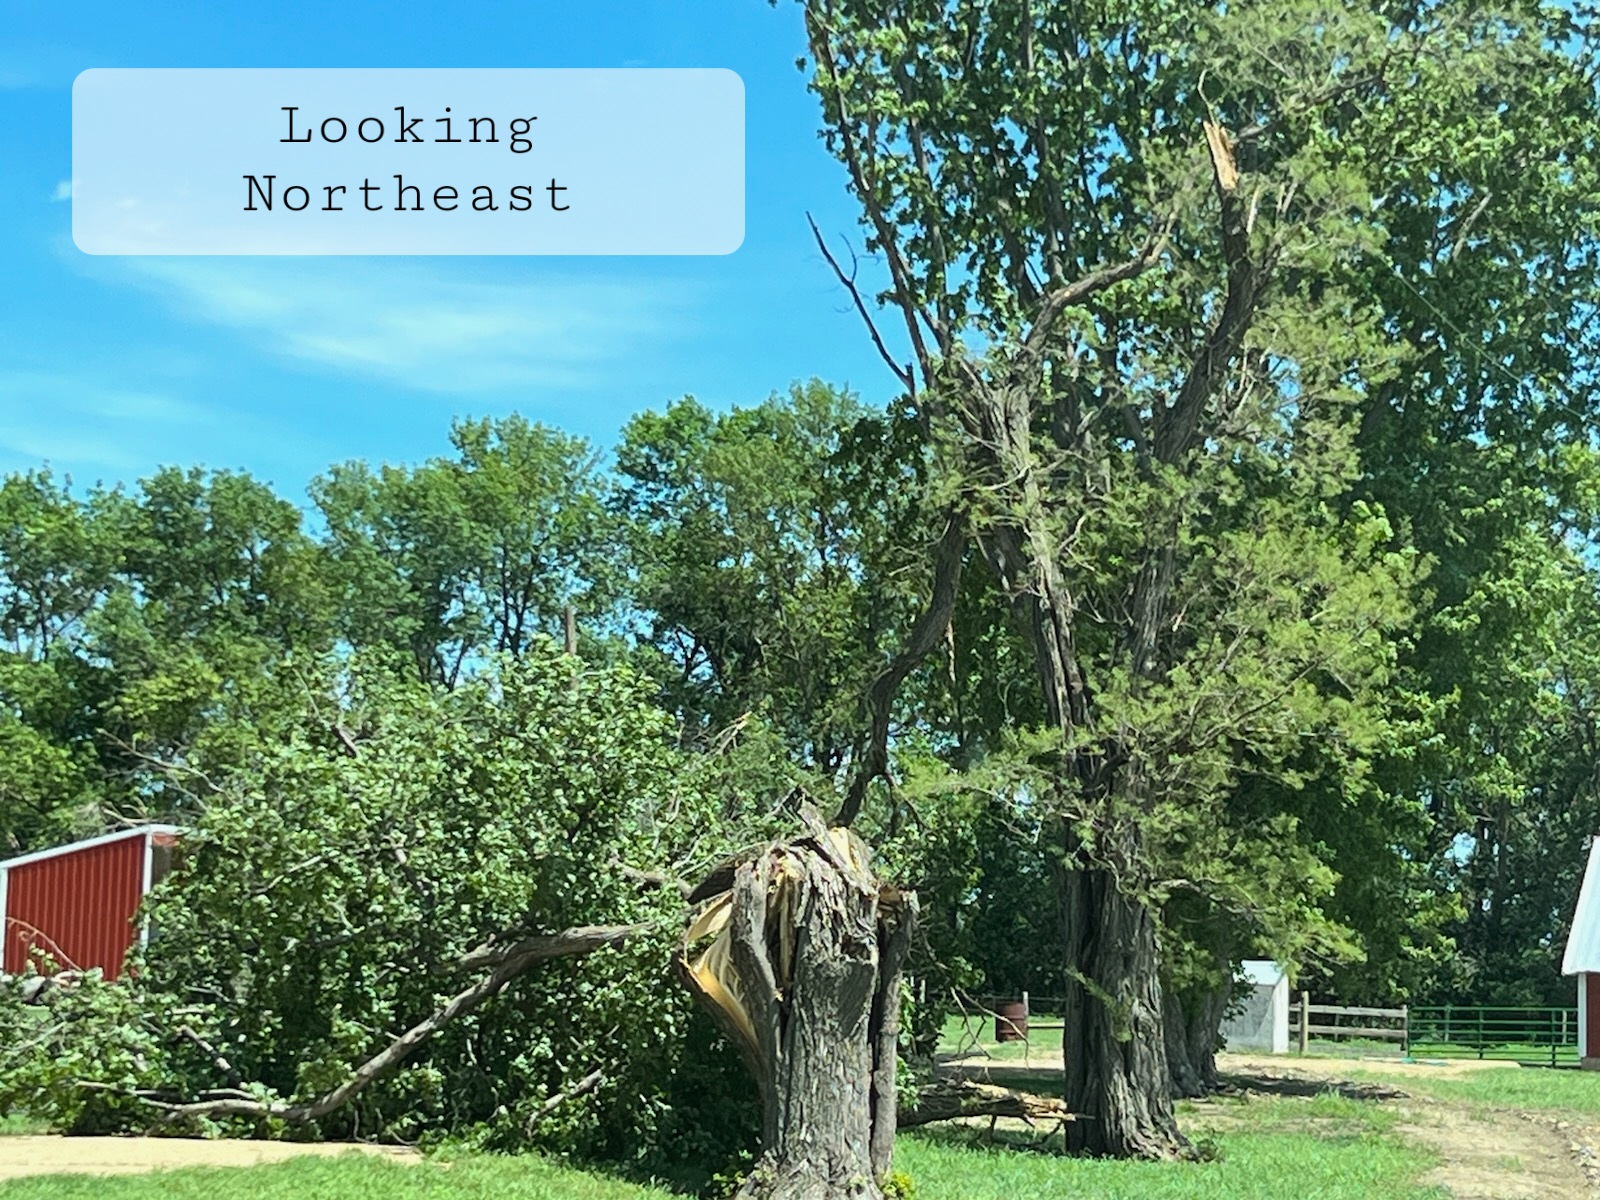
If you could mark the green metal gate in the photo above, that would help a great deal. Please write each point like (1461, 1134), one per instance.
(1545, 1037)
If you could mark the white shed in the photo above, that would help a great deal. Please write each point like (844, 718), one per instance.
(1263, 1024)
(1583, 960)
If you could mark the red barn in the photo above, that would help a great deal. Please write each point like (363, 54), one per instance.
(1582, 958)
(77, 903)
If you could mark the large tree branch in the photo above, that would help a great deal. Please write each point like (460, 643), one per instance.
(925, 635)
(509, 962)
(1177, 431)
(1060, 299)
(952, 1099)
(581, 939)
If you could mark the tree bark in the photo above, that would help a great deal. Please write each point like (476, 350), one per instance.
(1116, 1064)
(804, 975)
(1192, 1025)
(896, 923)
(1205, 1026)
(1183, 1079)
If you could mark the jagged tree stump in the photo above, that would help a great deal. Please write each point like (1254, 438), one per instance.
(803, 973)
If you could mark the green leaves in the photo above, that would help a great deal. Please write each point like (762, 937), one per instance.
(465, 557)
(323, 899)
(1211, 490)
(764, 545)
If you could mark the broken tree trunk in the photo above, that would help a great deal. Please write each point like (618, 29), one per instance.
(803, 974)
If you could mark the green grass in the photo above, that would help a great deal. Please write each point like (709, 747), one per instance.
(1532, 1053)
(1532, 1088)
(1279, 1165)
(13, 1126)
(1328, 1147)
(1346, 1048)
(351, 1176)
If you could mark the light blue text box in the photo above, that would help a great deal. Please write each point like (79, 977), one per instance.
(172, 161)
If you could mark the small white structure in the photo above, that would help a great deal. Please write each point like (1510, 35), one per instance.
(1583, 960)
(1263, 1024)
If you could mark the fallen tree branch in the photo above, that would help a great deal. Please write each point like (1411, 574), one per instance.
(949, 1099)
(216, 1056)
(580, 939)
(653, 879)
(508, 962)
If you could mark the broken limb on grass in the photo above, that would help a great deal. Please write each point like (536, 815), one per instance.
(508, 960)
(803, 974)
(952, 1099)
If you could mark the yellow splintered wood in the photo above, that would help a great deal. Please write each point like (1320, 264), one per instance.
(714, 970)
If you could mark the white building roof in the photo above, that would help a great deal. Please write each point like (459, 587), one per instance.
(1583, 943)
(1262, 972)
(137, 831)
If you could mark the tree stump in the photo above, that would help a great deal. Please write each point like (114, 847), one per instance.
(803, 974)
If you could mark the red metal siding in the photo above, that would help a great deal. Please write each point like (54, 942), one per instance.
(1591, 986)
(77, 907)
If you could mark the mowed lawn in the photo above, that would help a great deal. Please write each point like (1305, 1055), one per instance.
(1321, 1146)
(1325, 1148)
(1332, 1166)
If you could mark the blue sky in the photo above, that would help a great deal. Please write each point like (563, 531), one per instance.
(110, 367)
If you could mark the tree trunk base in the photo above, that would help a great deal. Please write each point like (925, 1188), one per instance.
(804, 1181)
(1118, 1082)
(803, 974)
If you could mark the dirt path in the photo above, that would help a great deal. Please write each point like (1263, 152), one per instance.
(48, 1155)
(1501, 1154)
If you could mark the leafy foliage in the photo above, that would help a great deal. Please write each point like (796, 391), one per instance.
(324, 900)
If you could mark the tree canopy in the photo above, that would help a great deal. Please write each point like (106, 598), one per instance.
(1221, 584)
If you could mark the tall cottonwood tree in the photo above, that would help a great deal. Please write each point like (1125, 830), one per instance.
(763, 544)
(469, 555)
(1121, 239)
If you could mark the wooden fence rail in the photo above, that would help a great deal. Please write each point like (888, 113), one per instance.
(1532, 1036)
(1302, 1016)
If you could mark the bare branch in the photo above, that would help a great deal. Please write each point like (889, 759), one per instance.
(903, 374)
(860, 160)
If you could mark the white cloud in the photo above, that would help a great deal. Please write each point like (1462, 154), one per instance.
(63, 190)
(425, 326)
